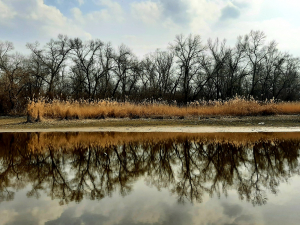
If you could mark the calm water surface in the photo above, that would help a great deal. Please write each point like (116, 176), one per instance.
(149, 178)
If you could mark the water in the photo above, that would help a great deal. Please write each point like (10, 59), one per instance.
(149, 178)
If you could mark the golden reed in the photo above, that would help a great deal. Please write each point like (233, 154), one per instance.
(56, 109)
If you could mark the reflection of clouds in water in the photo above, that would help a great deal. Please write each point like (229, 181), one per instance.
(174, 214)
(67, 217)
(169, 212)
(24, 210)
(23, 219)
(232, 210)
(230, 213)
(285, 207)
(163, 207)
(244, 218)
(155, 211)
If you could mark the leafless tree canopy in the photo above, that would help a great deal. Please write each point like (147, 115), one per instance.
(190, 69)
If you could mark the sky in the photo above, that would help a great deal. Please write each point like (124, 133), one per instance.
(147, 25)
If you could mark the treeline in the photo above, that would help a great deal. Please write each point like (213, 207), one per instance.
(188, 70)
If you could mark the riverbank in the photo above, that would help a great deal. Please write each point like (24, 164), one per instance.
(274, 123)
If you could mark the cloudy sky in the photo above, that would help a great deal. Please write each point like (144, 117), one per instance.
(145, 25)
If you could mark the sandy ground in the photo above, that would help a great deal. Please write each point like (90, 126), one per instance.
(184, 129)
(276, 123)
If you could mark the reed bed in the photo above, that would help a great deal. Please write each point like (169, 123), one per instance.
(57, 109)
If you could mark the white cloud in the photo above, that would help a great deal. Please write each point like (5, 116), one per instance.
(112, 11)
(52, 21)
(80, 2)
(149, 12)
(288, 4)
(204, 14)
(6, 12)
(253, 8)
(152, 23)
(77, 14)
(34, 20)
(282, 31)
(46, 14)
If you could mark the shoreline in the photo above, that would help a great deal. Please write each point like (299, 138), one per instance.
(276, 123)
(172, 129)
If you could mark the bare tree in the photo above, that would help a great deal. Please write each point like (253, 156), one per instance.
(148, 76)
(106, 64)
(286, 84)
(85, 58)
(187, 51)
(213, 70)
(256, 52)
(125, 71)
(14, 77)
(158, 75)
(164, 63)
(53, 56)
(236, 65)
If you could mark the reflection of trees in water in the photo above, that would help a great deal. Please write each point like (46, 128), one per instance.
(188, 165)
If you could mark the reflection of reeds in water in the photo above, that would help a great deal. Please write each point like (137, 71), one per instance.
(40, 141)
(189, 165)
(106, 108)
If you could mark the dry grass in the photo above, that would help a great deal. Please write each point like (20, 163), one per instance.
(101, 109)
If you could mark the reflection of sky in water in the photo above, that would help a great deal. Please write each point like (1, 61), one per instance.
(146, 205)
(152, 199)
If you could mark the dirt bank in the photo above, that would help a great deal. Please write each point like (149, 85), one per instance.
(186, 129)
(278, 123)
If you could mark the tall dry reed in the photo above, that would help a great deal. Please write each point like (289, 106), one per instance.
(112, 109)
